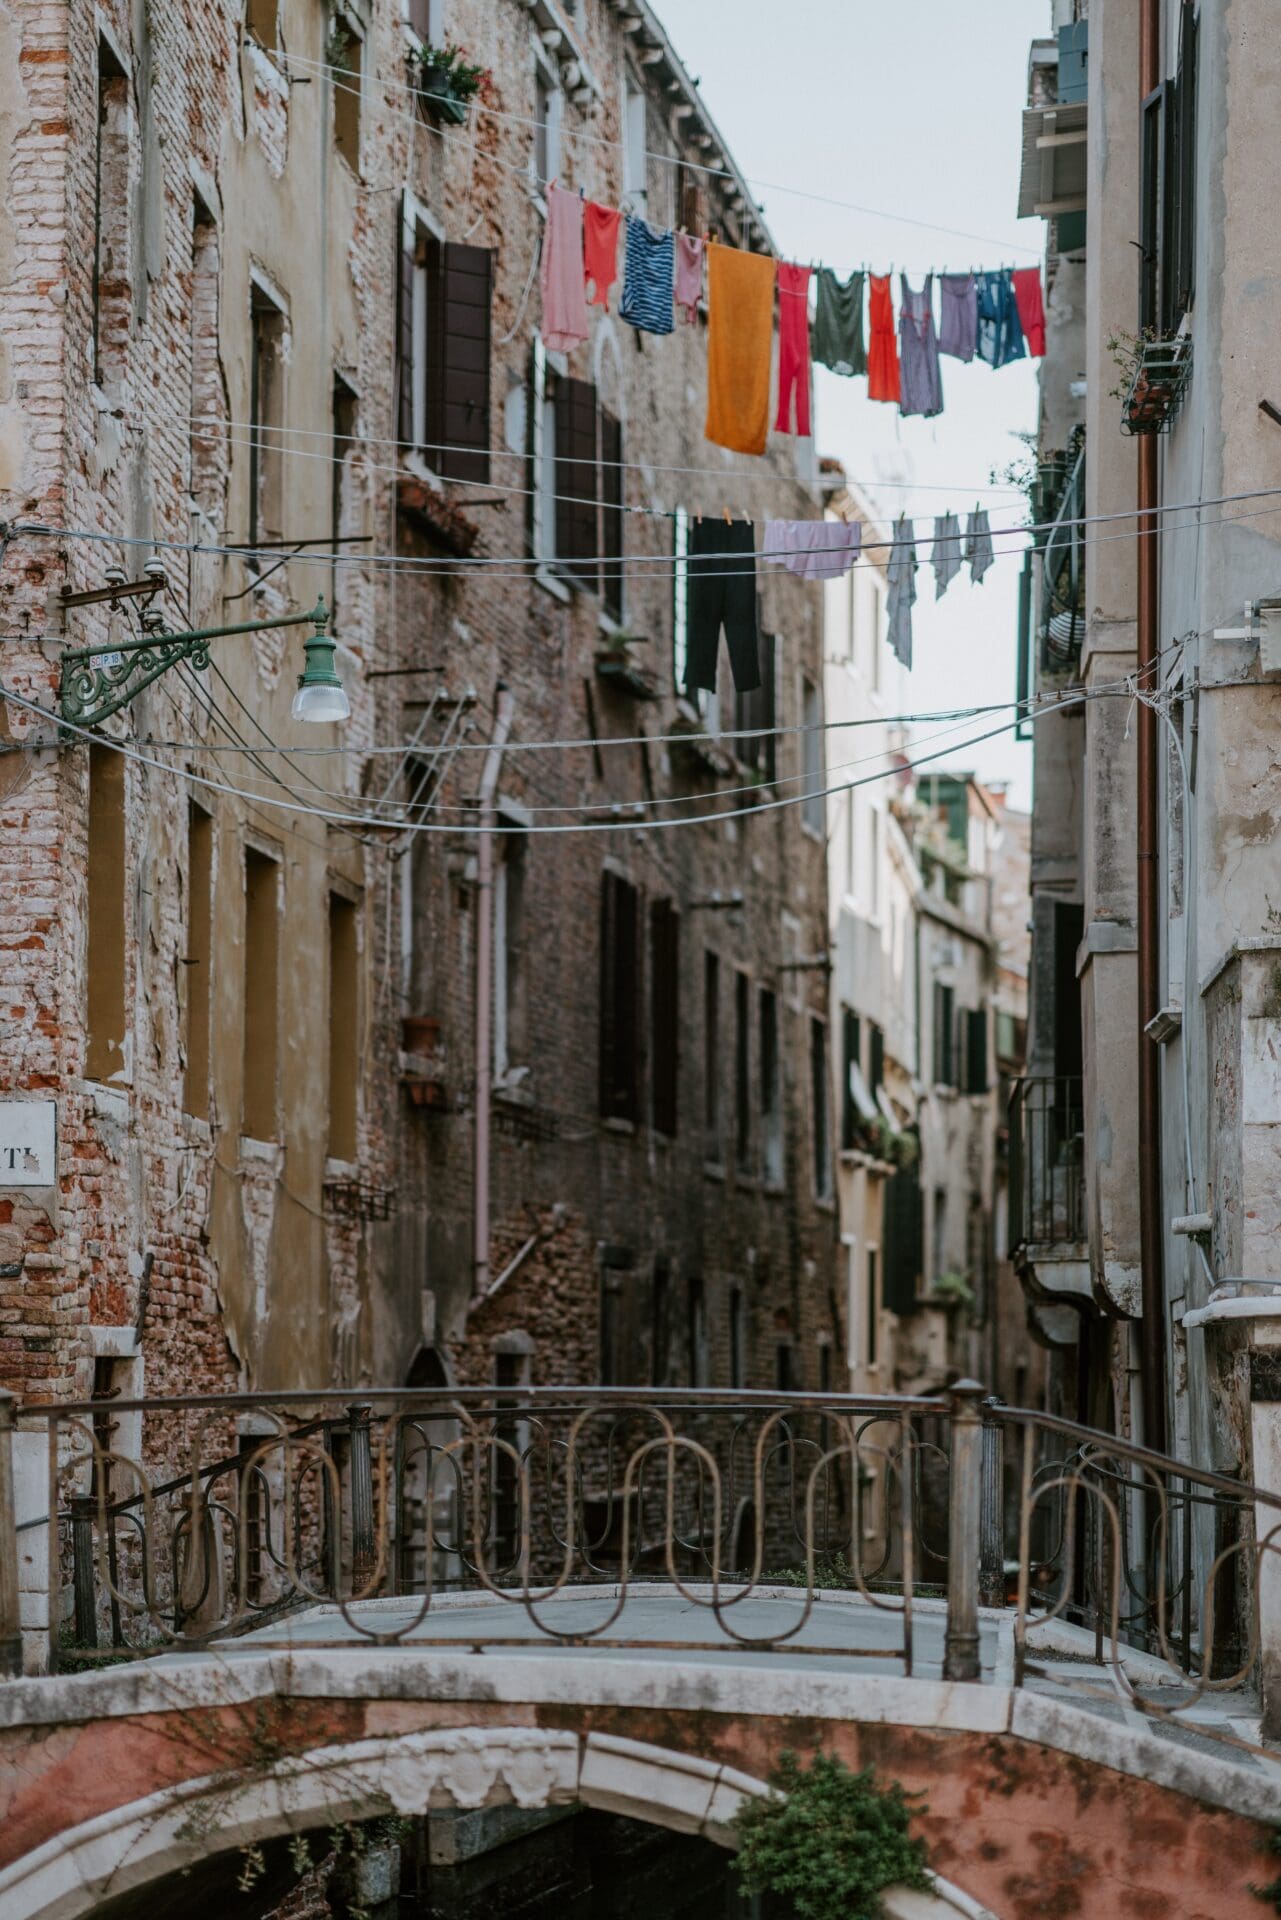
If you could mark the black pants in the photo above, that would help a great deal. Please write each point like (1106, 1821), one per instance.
(722, 592)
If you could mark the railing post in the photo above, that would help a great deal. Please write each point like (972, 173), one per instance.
(992, 1507)
(363, 1558)
(10, 1612)
(83, 1506)
(961, 1641)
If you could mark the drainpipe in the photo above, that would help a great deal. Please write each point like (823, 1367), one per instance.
(486, 819)
(1151, 1225)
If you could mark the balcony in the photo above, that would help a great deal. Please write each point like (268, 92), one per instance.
(1047, 1186)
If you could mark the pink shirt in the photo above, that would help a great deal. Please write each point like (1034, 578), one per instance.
(561, 275)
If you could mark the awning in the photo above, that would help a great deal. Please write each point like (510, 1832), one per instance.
(1054, 160)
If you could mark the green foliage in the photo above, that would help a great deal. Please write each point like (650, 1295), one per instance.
(828, 1841)
(954, 1286)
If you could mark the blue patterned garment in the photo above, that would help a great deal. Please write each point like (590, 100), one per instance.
(1000, 329)
(647, 279)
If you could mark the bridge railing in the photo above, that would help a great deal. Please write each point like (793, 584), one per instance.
(183, 1522)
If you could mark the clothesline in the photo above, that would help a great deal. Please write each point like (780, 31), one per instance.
(996, 315)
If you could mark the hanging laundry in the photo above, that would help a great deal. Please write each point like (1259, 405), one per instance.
(882, 349)
(600, 250)
(1027, 297)
(689, 274)
(979, 550)
(565, 322)
(793, 348)
(958, 315)
(647, 278)
(814, 549)
(740, 333)
(947, 555)
(921, 382)
(722, 593)
(838, 323)
(1000, 329)
(901, 576)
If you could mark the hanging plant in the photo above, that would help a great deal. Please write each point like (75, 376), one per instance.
(1154, 377)
(446, 80)
(828, 1841)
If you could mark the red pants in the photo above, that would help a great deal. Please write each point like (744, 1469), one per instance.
(793, 348)
(1027, 298)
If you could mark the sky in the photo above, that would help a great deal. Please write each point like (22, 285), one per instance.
(911, 107)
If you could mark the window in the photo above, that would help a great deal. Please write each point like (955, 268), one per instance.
(742, 1073)
(712, 1055)
(661, 1324)
(1168, 189)
(549, 112)
(875, 1058)
(903, 1240)
(737, 1339)
(344, 1023)
(586, 487)
(851, 614)
(444, 296)
(253, 1496)
(696, 1334)
(347, 59)
(818, 1107)
(111, 198)
(266, 417)
(871, 1347)
(619, 1051)
(206, 444)
(771, 1090)
(874, 889)
(851, 1061)
(664, 1015)
(938, 1235)
(975, 1033)
(876, 629)
(944, 1036)
(543, 452)
(784, 1378)
(812, 806)
(755, 716)
(341, 491)
(261, 994)
(260, 22)
(197, 960)
(635, 159)
(611, 1325)
(105, 956)
(509, 940)
(426, 20)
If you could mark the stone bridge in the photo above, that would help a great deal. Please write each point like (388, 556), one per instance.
(1056, 1798)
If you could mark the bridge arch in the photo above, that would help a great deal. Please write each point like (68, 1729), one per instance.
(169, 1832)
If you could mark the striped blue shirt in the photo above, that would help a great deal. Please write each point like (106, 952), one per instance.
(647, 280)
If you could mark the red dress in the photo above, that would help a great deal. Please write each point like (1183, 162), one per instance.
(882, 346)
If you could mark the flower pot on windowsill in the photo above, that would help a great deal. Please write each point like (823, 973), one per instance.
(437, 99)
(1157, 385)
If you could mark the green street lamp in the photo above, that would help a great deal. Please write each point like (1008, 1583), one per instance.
(97, 681)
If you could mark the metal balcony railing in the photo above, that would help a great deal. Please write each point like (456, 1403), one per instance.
(1047, 1162)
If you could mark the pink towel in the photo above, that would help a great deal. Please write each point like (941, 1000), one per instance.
(689, 274)
(564, 295)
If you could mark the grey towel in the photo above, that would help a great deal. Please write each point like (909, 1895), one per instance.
(979, 550)
(947, 552)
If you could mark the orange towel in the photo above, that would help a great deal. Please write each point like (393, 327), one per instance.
(740, 333)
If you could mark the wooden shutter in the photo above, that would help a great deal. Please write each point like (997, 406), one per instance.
(612, 519)
(664, 989)
(618, 999)
(851, 1032)
(577, 539)
(1189, 36)
(876, 1058)
(420, 18)
(1150, 158)
(976, 1050)
(944, 1037)
(904, 1240)
(458, 328)
(404, 326)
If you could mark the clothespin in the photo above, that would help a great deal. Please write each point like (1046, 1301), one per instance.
(728, 521)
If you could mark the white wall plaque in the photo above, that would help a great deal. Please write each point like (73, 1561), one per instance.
(28, 1143)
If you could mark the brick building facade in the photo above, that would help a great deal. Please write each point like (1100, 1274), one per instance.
(253, 292)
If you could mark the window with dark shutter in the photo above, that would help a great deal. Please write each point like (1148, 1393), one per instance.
(875, 1058)
(818, 1110)
(458, 325)
(851, 1045)
(577, 470)
(405, 268)
(712, 1055)
(619, 1049)
(904, 1241)
(755, 717)
(611, 501)
(742, 1073)
(664, 1008)
(944, 1036)
(976, 1080)
(1151, 157)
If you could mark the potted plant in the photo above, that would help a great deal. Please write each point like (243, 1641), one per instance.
(446, 81)
(1154, 376)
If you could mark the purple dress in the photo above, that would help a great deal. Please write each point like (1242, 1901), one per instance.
(921, 383)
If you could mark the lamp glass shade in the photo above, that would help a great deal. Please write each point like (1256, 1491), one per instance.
(321, 702)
